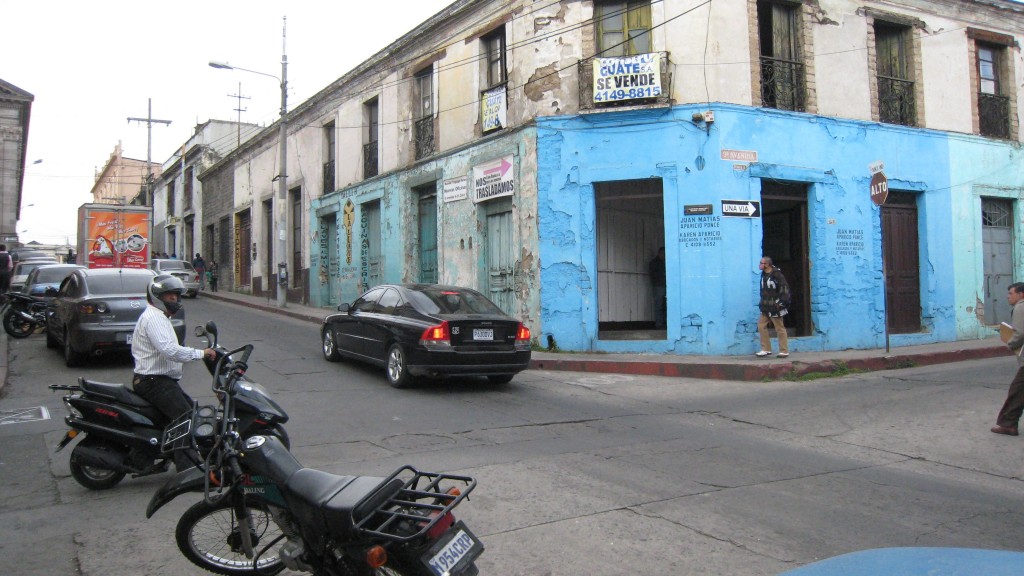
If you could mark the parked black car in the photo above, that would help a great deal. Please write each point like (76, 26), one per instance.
(95, 311)
(47, 276)
(428, 330)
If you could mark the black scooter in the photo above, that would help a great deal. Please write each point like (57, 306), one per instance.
(22, 314)
(121, 431)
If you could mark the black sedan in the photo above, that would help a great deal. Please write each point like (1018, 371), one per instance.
(46, 277)
(428, 330)
(95, 311)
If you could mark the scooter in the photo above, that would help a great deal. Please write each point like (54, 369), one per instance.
(262, 511)
(121, 431)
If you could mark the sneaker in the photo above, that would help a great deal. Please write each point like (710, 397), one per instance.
(782, 355)
(763, 353)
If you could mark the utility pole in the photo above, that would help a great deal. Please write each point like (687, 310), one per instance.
(238, 139)
(149, 120)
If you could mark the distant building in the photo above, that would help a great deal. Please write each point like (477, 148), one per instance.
(122, 180)
(15, 109)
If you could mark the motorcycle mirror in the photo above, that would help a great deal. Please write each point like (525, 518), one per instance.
(199, 331)
(211, 328)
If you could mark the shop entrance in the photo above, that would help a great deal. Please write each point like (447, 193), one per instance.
(785, 241)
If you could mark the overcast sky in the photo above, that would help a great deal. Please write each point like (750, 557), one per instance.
(92, 65)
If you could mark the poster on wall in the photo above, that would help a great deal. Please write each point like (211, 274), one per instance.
(492, 113)
(627, 78)
(118, 239)
(455, 189)
(493, 179)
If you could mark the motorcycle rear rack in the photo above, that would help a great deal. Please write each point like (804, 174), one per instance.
(65, 387)
(421, 502)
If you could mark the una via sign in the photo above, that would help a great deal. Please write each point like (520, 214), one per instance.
(741, 208)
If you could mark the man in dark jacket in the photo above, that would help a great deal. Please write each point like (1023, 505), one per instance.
(1013, 407)
(773, 305)
(6, 265)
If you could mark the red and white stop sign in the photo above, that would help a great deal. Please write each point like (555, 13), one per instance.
(879, 188)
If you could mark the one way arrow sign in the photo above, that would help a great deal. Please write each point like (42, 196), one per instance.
(741, 208)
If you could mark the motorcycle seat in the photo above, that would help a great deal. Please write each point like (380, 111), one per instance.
(341, 500)
(116, 392)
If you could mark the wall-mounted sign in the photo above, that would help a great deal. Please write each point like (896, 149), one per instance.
(697, 209)
(455, 189)
(493, 179)
(879, 188)
(739, 155)
(492, 112)
(741, 208)
(627, 78)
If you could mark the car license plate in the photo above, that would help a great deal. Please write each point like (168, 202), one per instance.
(483, 333)
(128, 338)
(454, 552)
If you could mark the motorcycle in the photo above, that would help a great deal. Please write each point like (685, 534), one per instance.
(262, 511)
(121, 431)
(22, 314)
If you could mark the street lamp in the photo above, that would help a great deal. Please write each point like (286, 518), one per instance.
(282, 177)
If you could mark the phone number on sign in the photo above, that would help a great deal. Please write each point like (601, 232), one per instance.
(632, 93)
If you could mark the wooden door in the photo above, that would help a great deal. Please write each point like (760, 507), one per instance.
(902, 265)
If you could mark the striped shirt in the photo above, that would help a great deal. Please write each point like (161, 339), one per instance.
(155, 346)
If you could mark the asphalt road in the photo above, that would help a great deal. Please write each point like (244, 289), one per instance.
(580, 474)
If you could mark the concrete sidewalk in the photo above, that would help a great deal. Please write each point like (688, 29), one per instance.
(744, 368)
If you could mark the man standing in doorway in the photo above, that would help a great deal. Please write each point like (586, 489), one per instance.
(200, 265)
(657, 270)
(774, 302)
(1013, 407)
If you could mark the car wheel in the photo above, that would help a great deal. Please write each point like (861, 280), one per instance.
(71, 358)
(501, 378)
(397, 370)
(330, 346)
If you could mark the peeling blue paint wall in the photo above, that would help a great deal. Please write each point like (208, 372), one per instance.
(713, 289)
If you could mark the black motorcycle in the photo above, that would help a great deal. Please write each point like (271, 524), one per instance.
(23, 314)
(121, 431)
(262, 511)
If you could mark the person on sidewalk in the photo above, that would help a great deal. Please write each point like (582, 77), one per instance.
(6, 266)
(656, 267)
(158, 356)
(774, 302)
(213, 270)
(200, 265)
(1009, 414)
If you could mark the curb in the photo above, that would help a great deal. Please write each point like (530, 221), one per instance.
(273, 309)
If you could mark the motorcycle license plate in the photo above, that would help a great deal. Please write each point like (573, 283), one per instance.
(483, 334)
(454, 552)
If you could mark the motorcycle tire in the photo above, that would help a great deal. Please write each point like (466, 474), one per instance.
(92, 477)
(17, 327)
(207, 534)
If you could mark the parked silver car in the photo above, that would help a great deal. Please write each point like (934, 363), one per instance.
(95, 312)
(22, 268)
(181, 269)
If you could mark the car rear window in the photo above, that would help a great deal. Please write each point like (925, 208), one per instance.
(24, 268)
(118, 284)
(442, 301)
(174, 265)
(49, 275)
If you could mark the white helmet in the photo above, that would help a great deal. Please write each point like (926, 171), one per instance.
(162, 285)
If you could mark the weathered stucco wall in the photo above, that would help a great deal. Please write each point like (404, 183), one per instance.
(713, 289)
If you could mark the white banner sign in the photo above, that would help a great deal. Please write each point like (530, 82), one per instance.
(493, 179)
(493, 109)
(627, 78)
(455, 189)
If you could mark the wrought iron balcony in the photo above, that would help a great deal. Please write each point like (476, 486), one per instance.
(782, 84)
(370, 159)
(328, 177)
(642, 95)
(424, 137)
(896, 103)
(994, 115)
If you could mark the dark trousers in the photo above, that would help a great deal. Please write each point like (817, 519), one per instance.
(166, 395)
(1009, 414)
(5, 281)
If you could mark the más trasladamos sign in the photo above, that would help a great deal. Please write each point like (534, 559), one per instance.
(493, 179)
(627, 78)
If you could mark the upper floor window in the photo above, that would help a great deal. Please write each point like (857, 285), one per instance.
(494, 46)
(371, 111)
(186, 195)
(330, 153)
(623, 28)
(424, 112)
(493, 104)
(993, 83)
(782, 67)
(170, 198)
(894, 71)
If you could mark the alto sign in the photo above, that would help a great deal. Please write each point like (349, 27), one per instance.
(879, 188)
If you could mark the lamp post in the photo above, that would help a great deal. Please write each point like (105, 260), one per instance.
(282, 177)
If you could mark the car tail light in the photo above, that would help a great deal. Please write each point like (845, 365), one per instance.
(522, 337)
(93, 308)
(438, 336)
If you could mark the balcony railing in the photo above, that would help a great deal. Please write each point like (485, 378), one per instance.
(896, 101)
(424, 137)
(328, 177)
(994, 115)
(585, 70)
(370, 159)
(782, 84)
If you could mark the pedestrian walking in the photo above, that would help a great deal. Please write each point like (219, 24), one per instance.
(212, 270)
(656, 268)
(200, 265)
(775, 298)
(6, 266)
(1009, 414)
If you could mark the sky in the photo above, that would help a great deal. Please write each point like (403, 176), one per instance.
(92, 65)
